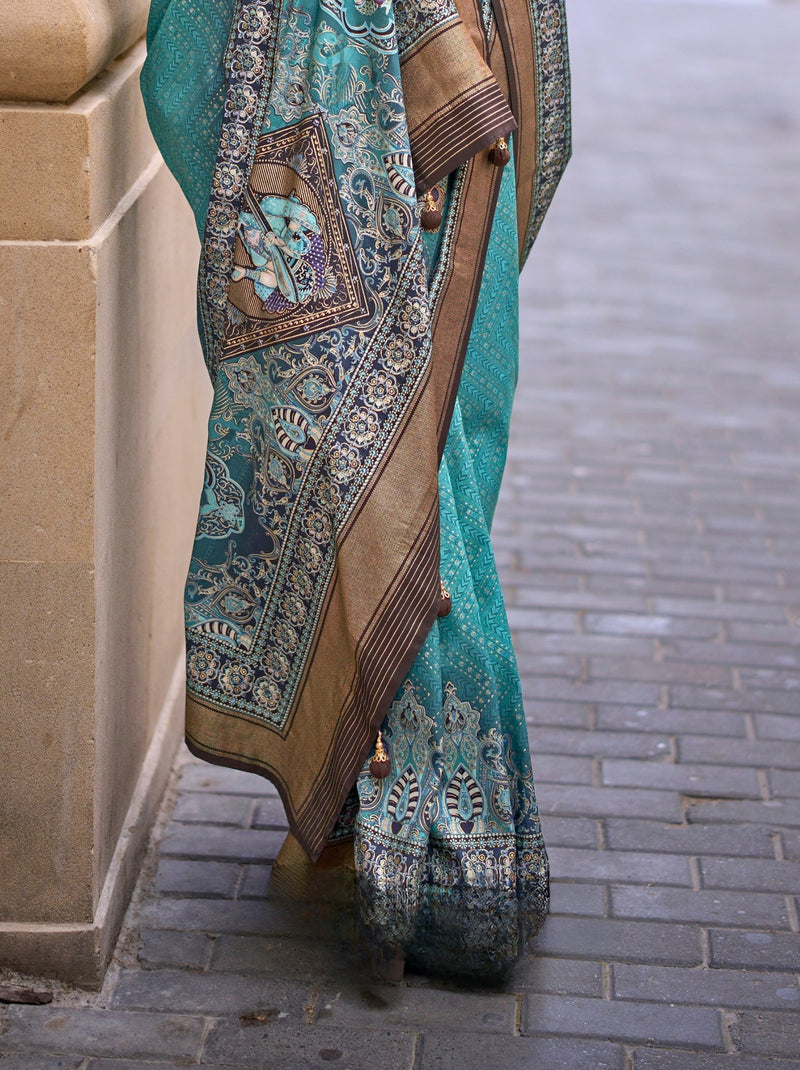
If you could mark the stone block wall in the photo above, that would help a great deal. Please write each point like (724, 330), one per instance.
(105, 405)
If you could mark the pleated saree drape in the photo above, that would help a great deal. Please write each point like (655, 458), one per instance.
(363, 373)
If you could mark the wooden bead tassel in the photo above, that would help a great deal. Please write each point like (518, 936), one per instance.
(430, 217)
(499, 153)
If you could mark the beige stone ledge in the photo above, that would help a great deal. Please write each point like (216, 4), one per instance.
(64, 168)
(49, 51)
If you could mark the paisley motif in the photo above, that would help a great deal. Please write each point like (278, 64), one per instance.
(464, 798)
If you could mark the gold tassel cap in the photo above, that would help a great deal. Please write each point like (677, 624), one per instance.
(430, 217)
(380, 765)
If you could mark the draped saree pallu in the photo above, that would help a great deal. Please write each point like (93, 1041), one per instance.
(363, 370)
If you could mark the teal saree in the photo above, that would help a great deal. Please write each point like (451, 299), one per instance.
(363, 373)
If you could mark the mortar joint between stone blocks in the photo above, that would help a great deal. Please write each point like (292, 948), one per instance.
(777, 846)
(727, 1021)
(607, 980)
(791, 913)
(519, 1001)
(208, 1025)
(597, 773)
(251, 814)
(417, 1048)
(705, 948)
(694, 870)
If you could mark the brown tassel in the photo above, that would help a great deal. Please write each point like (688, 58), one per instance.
(380, 765)
(430, 217)
(446, 603)
(499, 153)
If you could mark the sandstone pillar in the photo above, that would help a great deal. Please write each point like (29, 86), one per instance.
(104, 404)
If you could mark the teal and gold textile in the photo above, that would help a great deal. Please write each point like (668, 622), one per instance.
(363, 375)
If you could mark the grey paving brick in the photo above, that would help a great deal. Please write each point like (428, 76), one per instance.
(540, 973)
(283, 957)
(206, 879)
(747, 909)
(546, 740)
(695, 672)
(718, 698)
(566, 714)
(775, 813)
(211, 993)
(570, 831)
(580, 801)
(611, 566)
(650, 624)
(632, 834)
(670, 721)
(137, 1064)
(762, 632)
(766, 1032)
(617, 646)
(739, 654)
(547, 687)
(444, 1051)
(790, 843)
(270, 814)
(701, 986)
(653, 586)
(612, 939)
(204, 841)
(717, 781)
(557, 769)
(625, 1021)
(757, 949)
(784, 784)
(87, 1031)
(585, 899)
(729, 610)
(750, 874)
(549, 620)
(190, 950)
(255, 883)
(655, 1059)
(779, 754)
(551, 664)
(625, 867)
(374, 1006)
(543, 578)
(218, 779)
(773, 726)
(783, 679)
(249, 916)
(208, 808)
(584, 600)
(277, 1045)
(26, 1061)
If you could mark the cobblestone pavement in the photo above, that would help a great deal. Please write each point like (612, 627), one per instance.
(649, 549)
